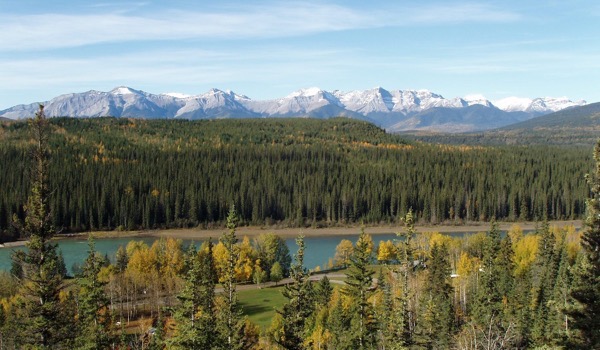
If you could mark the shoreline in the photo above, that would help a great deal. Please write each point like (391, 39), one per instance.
(252, 231)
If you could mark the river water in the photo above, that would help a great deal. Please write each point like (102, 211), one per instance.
(318, 249)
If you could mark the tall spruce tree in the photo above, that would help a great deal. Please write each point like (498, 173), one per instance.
(404, 326)
(300, 304)
(585, 315)
(359, 281)
(436, 322)
(94, 314)
(44, 319)
(489, 319)
(194, 316)
(545, 273)
(230, 324)
(561, 299)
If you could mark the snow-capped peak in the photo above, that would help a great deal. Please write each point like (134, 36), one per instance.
(542, 105)
(513, 103)
(122, 90)
(176, 95)
(312, 91)
(477, 99)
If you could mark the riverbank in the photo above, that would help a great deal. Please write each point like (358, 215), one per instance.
(200, 234)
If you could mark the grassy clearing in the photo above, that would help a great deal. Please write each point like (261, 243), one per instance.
(260, 304)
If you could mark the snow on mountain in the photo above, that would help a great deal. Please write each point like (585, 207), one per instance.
(379, 100)
(536, 105)
(513, 104)
(477, 99)
(392, 109)
(213, 104)
(298, 102)
(366, 101)
(123, 90)
(177, 95)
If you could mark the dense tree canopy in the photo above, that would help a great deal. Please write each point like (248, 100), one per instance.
(112, 173)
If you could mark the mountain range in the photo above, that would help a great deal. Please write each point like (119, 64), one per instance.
(394, 110)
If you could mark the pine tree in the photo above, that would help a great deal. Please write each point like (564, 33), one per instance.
(324, 291)
(338, 323)
(585, 315)
(386, 313)
(94, 314)
(230, 324)
(561, 299)
(436, 323)
(44, 320)
(545, 270)
(157, 340)
(194, 317)
(489, 321)
(121, 259)
(488, 302)
(300, 304)
(405, 315)
(359, 281)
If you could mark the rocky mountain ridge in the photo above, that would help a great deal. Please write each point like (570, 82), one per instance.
(395, 110)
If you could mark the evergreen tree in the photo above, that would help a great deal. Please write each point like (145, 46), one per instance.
(157, 340)
(520, 308)
(545, 271)
(194, 317)
(491, 326)
(324, 291)
(388, 315)
(488, 302)
(561, 299)
(230, 324)
(436, 323)
(359, 282)
(300, 304)
(403, 326)
(94, 314)
(338, 323)
(121, 259)
(585, 315)
(44, 319)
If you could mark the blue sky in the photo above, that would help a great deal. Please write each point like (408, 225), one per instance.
(267, 49)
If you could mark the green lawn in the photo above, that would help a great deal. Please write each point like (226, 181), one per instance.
(260, 304)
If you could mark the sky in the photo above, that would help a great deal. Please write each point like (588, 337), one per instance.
(268, 49)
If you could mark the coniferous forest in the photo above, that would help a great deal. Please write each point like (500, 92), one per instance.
(422, 291)
(125, 174)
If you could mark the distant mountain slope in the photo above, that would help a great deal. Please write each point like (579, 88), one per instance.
(395, 110)
(587, 116)
(470, 118)
(572, 126)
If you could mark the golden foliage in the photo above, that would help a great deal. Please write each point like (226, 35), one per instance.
(525, 252)
(387, 251)
(343, 251)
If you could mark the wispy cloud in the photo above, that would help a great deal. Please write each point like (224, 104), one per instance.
(195, 68)
(51, 31)
(459, 13)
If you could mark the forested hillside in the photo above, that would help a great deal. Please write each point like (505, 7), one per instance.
(109, 173)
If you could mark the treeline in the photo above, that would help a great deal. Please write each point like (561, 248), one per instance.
(109, 173)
